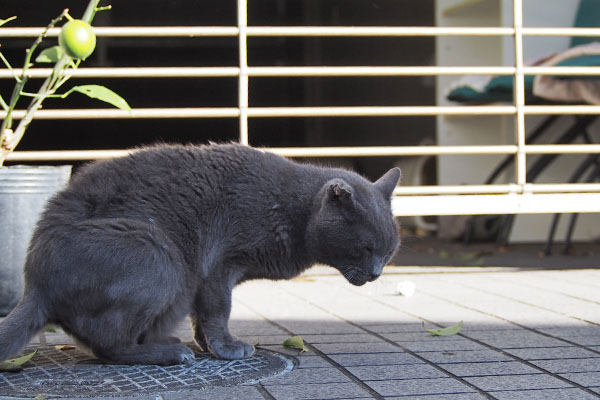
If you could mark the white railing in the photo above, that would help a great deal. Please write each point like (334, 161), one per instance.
(517, 197)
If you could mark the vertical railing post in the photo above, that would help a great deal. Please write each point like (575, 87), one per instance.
(519, 96)
(242, 16)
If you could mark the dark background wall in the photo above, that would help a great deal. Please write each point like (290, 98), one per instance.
(222, 92)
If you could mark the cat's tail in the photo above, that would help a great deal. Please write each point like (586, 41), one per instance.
(23, 322)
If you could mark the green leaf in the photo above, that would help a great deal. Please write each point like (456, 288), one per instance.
(444, 254)
(451, 330)
(4, 21)
(50, 55)
(101, 93)
(295, 342)
(16, 364)
(467, 256)
(51, 328)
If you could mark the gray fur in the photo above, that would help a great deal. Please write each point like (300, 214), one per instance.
(134, 245)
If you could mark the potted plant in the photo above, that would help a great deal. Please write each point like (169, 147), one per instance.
(24, 190)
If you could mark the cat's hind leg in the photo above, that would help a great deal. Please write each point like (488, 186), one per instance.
(146, 353)
(126, 290)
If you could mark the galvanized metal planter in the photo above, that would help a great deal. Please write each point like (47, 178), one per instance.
(24, 191)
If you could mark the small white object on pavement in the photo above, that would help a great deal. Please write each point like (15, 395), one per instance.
(406, 288)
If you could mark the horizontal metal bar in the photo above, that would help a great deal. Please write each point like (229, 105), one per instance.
(131, 31)
(561, 71)
(561, 187)
(133, 72)
(278, 112)
(561, 110)
(369, 151)
(358, 111)
(415, 71)
(322, 71)
(456, 189)
(349, 31)
(558, 31)
(66, 155)
(109, 113)
(265, 31)
(510, 188)
(196, 72)
(377, 71)
(354, 151)
(285, 152)
(562, 148)
(496, 204)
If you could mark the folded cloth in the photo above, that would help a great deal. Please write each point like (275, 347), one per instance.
(571, 89)
(540, 88)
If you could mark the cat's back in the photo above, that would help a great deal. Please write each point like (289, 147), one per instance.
(155, 176)
(168, 163)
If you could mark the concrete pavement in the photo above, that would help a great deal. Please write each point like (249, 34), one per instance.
(526, 335)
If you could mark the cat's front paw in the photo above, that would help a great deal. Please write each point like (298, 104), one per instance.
(231, 350)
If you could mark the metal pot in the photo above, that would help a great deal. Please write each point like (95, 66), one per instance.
(24, 191)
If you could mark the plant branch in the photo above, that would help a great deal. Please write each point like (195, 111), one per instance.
(10, 139)
(7, 64)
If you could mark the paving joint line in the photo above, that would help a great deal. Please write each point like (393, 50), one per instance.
(517, 358)
(264, 392)
(525, 303)
(548, 335)
(412, 353)
(498, 350)
(332, 362)
(527, 285)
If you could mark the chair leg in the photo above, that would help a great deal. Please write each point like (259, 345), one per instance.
(591, 178)
(505, 163)
(541, 128)
(569, 236)
(580, 125)
(578, 173)
(551, 233)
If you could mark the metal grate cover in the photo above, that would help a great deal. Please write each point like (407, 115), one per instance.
(74, 373)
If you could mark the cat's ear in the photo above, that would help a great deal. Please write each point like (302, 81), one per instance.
(339, 191)
(387, 183)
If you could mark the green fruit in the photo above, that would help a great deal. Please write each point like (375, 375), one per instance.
(77, 39)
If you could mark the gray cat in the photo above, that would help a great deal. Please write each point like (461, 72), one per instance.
(135, 244)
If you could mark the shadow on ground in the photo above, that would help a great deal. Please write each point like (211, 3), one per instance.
(430, 251)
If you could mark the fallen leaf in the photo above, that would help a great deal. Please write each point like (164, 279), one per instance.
(64, 347)
(449, 331)
(16, 364)
(468, 255)
(295, 342)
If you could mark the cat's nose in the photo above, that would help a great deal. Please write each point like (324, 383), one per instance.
(378, 264)
(373, 277)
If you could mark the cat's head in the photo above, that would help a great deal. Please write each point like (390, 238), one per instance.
(352, 227)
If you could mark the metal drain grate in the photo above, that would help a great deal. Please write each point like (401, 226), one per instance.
(74, 373)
